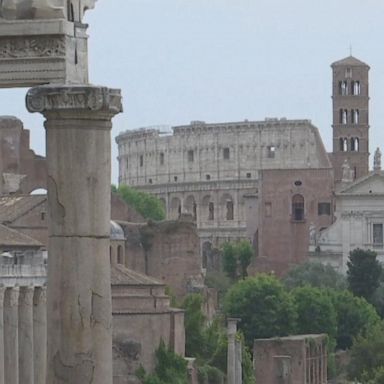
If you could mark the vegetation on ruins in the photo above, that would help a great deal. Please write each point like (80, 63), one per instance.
(364, 272)
(265, 307)
(170, 368)
(315, 275)
(236, 258)
(208, 344)
(146, 204)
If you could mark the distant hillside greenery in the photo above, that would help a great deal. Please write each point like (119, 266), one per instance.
(149, 206)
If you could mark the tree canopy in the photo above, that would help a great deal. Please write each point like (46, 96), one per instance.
(236, 258)
(367, 357)
(316, 275)
(149, 206)
(315, 311)
(265, 307)
(355, 316)
(363, 274)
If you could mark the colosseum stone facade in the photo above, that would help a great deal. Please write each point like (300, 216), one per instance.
(214, 171)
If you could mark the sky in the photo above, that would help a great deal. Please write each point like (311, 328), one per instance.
(225, 60)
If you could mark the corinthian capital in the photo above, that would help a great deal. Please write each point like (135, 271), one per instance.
(74, 101)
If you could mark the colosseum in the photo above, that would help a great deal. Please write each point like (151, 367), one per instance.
(215, 173)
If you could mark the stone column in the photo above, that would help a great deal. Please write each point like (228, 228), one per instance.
(26, 335)
(2, 291)
(11, 353)
(79, 313)
(231, 356)
(40, 335)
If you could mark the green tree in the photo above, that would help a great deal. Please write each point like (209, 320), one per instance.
(363, 274)
(245, 253)
(355, 316)
(367, 357)
(236, 258)
(315, 275)
(265, 307)
(229, 260)
(194, 324)
(315, 310)
(149, 206)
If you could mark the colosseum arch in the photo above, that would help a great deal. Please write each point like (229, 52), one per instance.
(208, 208)
(227, 207)
(190, 206)
(175, 208)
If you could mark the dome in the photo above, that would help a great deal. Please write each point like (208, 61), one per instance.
(117, 232)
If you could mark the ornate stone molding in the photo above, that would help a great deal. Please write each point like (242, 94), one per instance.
(40, 296)
(70, 101)
(27, 47)
(352, 215)
(11, 298)
(26, 296)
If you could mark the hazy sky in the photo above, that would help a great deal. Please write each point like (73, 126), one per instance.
(225, 60)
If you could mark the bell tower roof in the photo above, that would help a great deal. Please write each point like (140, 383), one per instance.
(351, 62)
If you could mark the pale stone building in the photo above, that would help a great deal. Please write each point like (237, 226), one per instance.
(359, 222)
(217, 172)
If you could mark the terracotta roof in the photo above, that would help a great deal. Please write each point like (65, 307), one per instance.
(11, 238)
(121, 275)
(13, 207)
(351, 61)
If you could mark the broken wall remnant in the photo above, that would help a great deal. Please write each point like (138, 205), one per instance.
(300, 359)
(168, 251)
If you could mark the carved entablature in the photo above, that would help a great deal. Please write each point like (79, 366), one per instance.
(29, 47)
(357, 215)
(43, 42)
(52, 100)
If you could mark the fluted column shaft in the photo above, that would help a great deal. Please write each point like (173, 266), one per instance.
(78, 139)
(26, 335)
(40, 335)
(11, 347)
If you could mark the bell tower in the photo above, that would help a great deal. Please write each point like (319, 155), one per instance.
(350, 99)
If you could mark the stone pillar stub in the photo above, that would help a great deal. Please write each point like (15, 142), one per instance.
(26, 335)
(231, 356)
(11, 353)
(40, 335)
(2, 291)
(79, 311)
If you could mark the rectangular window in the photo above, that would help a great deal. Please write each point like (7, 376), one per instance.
(207, 177)
(377, 232)
(141, 160)
(324, 209)
(190, 156)
(271, 150)
(348, 73)
(161, 158)
(226, 154)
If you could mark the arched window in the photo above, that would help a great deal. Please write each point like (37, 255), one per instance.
(211, 211)
(120, 255)
(354, 144)
(190, 206)
(343, 116)
(341, 144)
(298, 208)
(356, 88)
(175, 210)
(229, 206)
(343, 88)
(355, 116)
